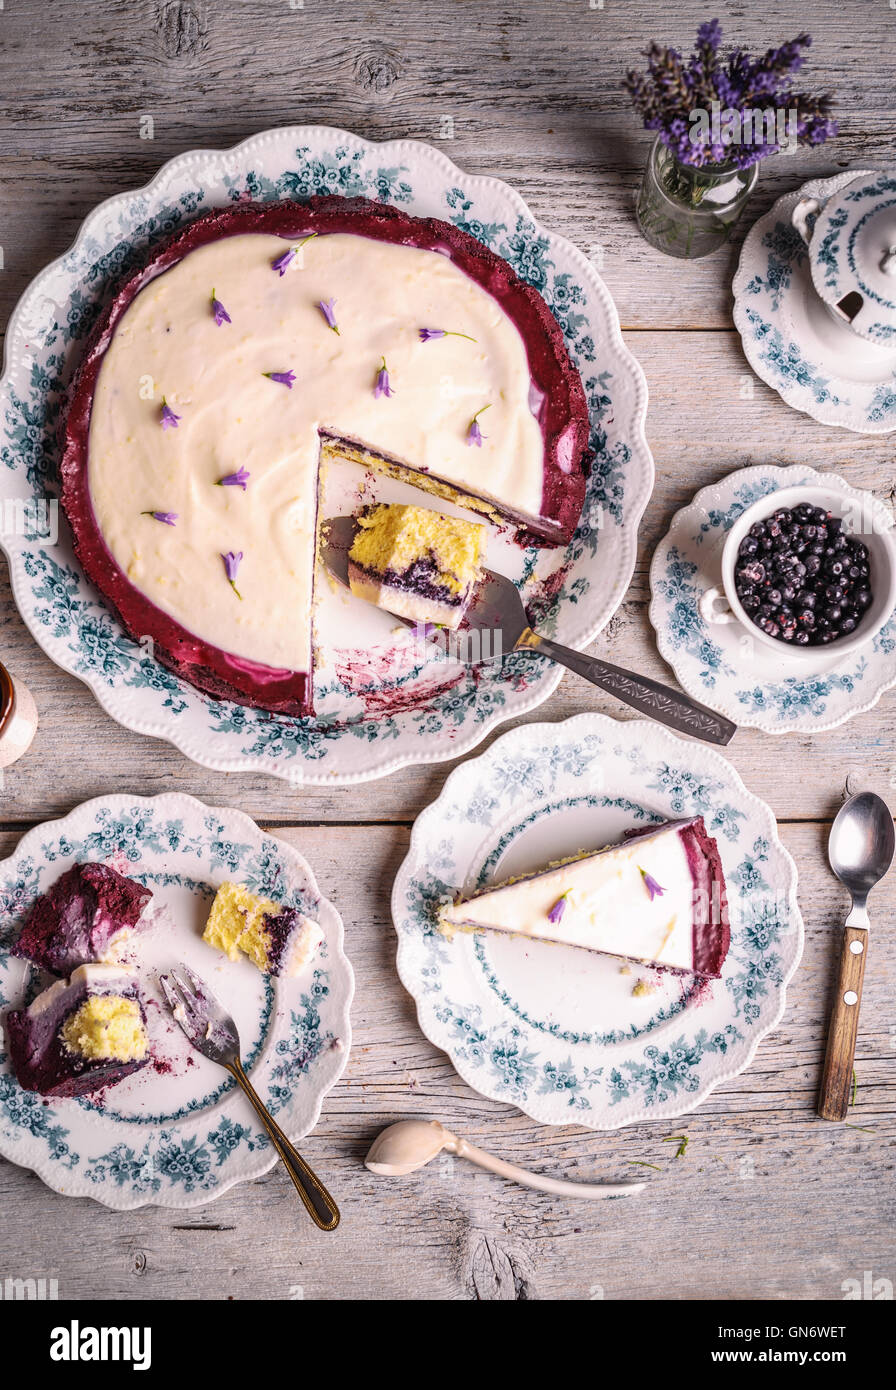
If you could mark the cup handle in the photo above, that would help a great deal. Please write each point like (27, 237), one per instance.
(711, 607)
(805, 208)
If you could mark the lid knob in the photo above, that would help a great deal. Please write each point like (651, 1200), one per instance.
(888, 262)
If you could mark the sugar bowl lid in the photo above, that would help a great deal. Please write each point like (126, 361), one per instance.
(853, 255)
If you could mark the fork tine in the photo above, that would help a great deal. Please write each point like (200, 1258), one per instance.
(190, 1002)
(169, 992)
(199, 986)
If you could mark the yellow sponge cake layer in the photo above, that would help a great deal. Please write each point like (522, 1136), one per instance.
(107, 1027)
(232, 912)
(394, 538)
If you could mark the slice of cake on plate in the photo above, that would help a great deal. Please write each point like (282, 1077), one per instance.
(80, 1035)
(262, 339)
(658, 899)
(85, 916)
(279, 940)
(416, 563)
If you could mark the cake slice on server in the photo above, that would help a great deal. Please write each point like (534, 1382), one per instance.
(658, 898)
(416, 563)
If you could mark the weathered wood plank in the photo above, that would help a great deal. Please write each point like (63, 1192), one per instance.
(768, 1201)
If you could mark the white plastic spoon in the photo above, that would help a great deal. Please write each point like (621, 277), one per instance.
(410, 1144)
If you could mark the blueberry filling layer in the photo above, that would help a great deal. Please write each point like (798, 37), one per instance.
(417, 579)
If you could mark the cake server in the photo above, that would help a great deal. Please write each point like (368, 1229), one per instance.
(410, 1144)
(860, 850)
(498, 607)
(213, 1032)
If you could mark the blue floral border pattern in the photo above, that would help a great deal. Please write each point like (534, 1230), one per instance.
(554, 1071)
(171, 840)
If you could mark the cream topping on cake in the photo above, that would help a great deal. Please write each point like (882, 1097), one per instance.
(168, 346)
(638, 899)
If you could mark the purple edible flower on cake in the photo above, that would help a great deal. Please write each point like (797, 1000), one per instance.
(558, 909)
(169, 518)
(326, 307)
(220, 313)
(474, 433)
(231, 566)
(168, 419)
(651, 884)
(284, 378)
(382, 387)
(427, 333)
(238, 479)
(282, 263)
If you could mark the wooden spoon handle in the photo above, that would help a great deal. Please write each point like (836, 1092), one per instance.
(837, 1073)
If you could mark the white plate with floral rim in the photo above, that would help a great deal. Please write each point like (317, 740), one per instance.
(789, 336)
(380, 705)
(560, 1032)
(721, 665)
(177, 1133)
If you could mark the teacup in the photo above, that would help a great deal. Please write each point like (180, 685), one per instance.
(862, 516)
(851, 242)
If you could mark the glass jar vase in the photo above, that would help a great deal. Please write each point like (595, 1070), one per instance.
(688, 211)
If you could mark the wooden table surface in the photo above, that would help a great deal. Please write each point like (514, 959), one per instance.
(769, 1201)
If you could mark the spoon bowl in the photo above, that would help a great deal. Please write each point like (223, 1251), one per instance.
(406, 1146)
(862, 842)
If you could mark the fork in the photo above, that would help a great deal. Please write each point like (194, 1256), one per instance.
(212, 1031)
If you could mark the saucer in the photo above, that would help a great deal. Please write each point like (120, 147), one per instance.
(790, 338)
(722, 666)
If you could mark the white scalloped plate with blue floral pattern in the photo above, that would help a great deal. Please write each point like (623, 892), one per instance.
(721, 665)
(789, 337)
(177, 1133)
(379, 704)
(568, 1036)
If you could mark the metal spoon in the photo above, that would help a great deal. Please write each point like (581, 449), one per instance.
(860, 850)
(410, 1144)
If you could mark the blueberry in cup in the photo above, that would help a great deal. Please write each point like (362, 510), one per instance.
(801, 578)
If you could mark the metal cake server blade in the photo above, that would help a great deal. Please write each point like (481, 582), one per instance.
(498, 608)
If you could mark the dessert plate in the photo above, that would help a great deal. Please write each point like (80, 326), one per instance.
(789, 336)
(559, 1032)
(177, 1133)
(381, 701)
(721, 665)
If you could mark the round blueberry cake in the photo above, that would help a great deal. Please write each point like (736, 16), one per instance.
(256, 343)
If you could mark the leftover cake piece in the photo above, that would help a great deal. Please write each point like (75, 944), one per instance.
(657, 898)
(278, 940)
(416, 563)
(80, 1034)
(85, 916)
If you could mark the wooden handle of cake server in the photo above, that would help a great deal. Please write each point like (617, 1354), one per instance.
(837, 1073)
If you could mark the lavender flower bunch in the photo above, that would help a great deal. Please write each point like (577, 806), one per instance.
(728, 108)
